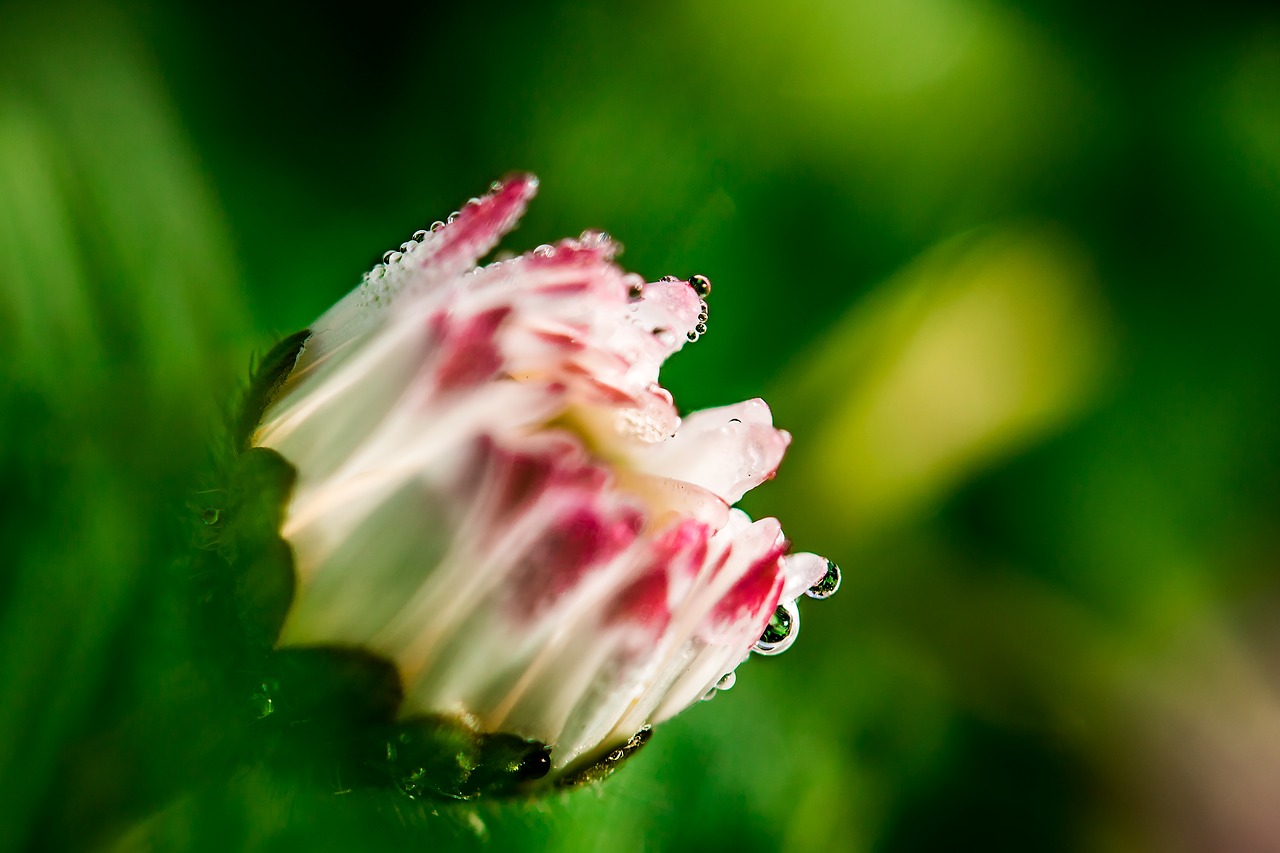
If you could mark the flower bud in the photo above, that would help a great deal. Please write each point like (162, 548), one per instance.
(494, 494)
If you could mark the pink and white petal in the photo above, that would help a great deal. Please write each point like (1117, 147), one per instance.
(669, 499)
(438, 260)
(697, 632)
(802, 571)
(728, 450)
(476, 230)
(664, 315)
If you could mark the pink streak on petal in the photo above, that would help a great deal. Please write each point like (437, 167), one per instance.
(642, 602)
(570, 548)
(755, 594)
(561, 340)
(458, 245)
(468, 352)
(572, 253)
(520, 477)
(565, 288)
(684, 546)
(673, 560)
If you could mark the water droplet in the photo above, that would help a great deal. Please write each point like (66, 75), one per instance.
(826, 587)
(473, 201)
(421, 234)
(546, 250)
(691, 336)
(408, 246)
(668, 278)
(495, 186)
(701, 285)
(781, 632)
(211, 516)
(437, 225)
(594, 239)
(391, 257)
(635, 286)
(535, 765)
(701, 328)
(727, 681)
(452, 218)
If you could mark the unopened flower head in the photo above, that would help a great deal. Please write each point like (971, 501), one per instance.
(494, 492)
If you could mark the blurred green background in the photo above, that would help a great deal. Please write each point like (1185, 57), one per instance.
(1008, 271)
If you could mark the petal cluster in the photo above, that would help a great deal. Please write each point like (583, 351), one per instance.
(495, 492)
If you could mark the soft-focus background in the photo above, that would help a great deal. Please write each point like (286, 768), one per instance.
(1008, 271)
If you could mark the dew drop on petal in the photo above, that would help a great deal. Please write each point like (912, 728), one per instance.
(635, 287)
(437, 225)
(727, 681)
(826, 587)
(701, 285)
(452, 218)
(781, 632)
(421, 234)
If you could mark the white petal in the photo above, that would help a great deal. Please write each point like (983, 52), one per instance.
(728, 450)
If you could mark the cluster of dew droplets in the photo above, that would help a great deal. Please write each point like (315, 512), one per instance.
(784, 625)
(590, 239)
(377, 285)
(702, 286)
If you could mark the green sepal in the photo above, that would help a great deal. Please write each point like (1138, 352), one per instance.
(247, 569)
(607, 765)
(331, 713)
(442, 757)
(268, 377)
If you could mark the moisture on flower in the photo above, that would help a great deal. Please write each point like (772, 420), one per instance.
(495, 494)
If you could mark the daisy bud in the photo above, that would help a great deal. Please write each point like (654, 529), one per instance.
(494, 494)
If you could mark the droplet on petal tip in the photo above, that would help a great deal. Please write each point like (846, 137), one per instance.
(781, 632)
(829, 584)
(488, 471)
